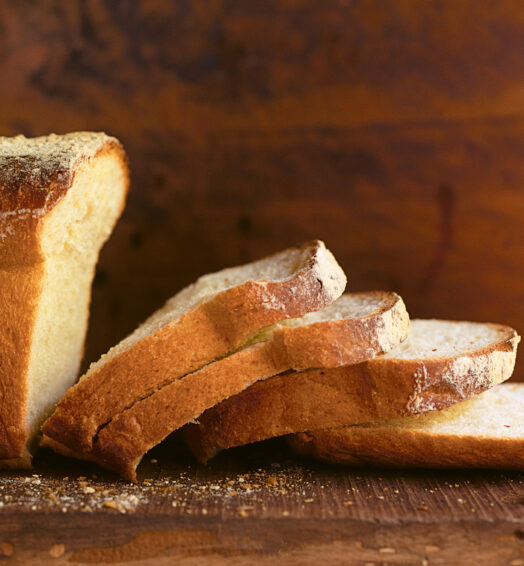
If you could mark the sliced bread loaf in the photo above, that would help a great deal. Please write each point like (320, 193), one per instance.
(354, 328)
(441, 363)
(60, 197)
(207, 320)
(484, 432)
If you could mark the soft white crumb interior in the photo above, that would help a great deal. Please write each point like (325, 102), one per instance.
(356, 305)
(498, 412)
(72, 235)
(437, 338)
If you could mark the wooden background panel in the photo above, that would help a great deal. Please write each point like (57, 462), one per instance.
(392, 129)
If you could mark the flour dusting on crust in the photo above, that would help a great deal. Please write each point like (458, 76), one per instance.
(36, 172)
(465, 376)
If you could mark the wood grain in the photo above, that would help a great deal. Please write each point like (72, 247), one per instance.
(259, 505)
(391, 129)
(394, 130)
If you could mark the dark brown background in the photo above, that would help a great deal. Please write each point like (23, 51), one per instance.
(394, 130)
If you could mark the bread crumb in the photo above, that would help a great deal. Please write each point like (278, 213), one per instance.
(88, 489)
(7, 549)
(57, 550)
(387, 550)
(432, 548)
(348, 503)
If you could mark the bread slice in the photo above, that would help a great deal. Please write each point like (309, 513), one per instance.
(441, 363)
(207, 320)
(60, 196)
(354, 328)
(484, 432)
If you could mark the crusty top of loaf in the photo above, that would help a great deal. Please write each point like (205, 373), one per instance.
(36, 172)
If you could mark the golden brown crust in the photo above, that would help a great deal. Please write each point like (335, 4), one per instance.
(63, 450)
(402, 446)
(348, 341)
(24, 462)
(121, 443)
(407, 448)
(209, 331)
(18, 304)
(327, 398)
(35, 174)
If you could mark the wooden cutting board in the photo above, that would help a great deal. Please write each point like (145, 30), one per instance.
(258, 505)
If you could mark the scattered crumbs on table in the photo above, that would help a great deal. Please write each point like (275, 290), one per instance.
(57, 550)
(7, 549)
(432, 548)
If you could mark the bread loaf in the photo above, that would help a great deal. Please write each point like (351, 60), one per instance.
(354, 328)
(60, 196)
(205, 321)
(484, 432)
(440, 363)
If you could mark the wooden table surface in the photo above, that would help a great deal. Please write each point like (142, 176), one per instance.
(259, 505)
(393, 130)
